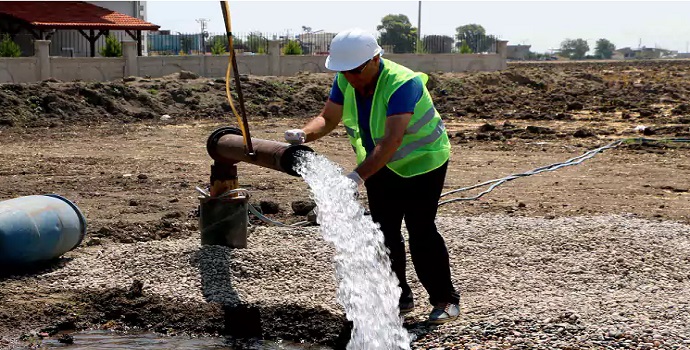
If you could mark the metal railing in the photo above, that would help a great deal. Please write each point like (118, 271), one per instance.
(317, 43)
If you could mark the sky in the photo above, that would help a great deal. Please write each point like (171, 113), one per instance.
(541, 24)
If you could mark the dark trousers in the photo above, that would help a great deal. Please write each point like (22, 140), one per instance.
(392, 198)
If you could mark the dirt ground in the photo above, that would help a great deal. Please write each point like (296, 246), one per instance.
(108, 148)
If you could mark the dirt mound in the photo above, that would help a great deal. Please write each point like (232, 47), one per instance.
(53, 103)
(650, 92)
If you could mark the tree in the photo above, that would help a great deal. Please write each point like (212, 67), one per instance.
(464, 48)
(292, 47)
(112, 48)
(219, 47)
(437, 43)
(474, 35)
(575, 49)
(397, 31)
(604, 49)
(9, 48)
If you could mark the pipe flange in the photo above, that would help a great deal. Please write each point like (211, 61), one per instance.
(212, 142)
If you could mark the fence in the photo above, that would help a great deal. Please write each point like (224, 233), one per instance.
(318, 43)
(70, 43)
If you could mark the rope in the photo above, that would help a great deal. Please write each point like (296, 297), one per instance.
(572, 161)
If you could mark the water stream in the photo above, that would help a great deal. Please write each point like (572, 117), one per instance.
(367, 288)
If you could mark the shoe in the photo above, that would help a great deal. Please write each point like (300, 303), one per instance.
(406, 307)
(443, 313)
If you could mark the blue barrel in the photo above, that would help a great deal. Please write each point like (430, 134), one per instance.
(38, 228)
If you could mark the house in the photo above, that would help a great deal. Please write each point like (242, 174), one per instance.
(518, 52)
(643, 53)
(75, 28)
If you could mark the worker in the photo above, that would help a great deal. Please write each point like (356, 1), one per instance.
(402, 152)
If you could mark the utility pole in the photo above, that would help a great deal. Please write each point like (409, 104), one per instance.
(419, 25)
(202, 22)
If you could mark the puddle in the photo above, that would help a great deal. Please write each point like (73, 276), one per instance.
(143, 340)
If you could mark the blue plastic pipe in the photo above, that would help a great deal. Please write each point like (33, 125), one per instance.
(38, 228)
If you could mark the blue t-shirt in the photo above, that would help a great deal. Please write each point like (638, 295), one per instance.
(403, 101)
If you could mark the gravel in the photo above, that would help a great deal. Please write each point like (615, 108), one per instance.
(611, 281)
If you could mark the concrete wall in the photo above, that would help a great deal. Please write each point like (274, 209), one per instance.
(86, 68)
(18, 70)
(42, 66)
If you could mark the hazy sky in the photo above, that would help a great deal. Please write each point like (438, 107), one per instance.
(542, 24)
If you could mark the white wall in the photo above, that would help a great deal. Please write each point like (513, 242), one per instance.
(18, 70)
(42, 66)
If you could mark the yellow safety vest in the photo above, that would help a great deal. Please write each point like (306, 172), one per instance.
(425, 145)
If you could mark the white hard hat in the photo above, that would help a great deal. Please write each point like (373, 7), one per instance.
(350, 48)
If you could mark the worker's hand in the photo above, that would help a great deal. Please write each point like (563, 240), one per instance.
(295, 136)
(354, 176)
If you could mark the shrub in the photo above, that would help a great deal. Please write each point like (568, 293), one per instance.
(9, 48)
(292, 48)
(465, 48)
(218, 47)
(112, 48)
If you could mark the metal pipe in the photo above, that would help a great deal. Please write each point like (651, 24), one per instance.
(226, 145)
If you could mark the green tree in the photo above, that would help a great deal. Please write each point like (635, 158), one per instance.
(112, 48)
(474, 35)
(464, 48)
(292, 47)
(438, 43)
(575, 49)
(397, 31)
(604, 49)
(219, 47)
(9, 48)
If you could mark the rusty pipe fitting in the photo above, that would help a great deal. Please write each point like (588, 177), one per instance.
(226, 145)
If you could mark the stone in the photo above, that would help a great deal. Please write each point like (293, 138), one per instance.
(188, 75)
(303, 207)
(269, 207)
(583, 133)
(574, 106)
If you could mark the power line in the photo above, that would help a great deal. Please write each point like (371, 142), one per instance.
(202, 22)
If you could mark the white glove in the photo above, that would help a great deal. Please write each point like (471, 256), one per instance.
(295, 136)
(354, 176)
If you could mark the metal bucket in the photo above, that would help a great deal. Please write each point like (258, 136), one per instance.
(223, 220)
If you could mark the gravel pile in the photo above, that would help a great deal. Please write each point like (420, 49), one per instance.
(608, 281)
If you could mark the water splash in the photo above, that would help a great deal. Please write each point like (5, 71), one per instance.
(367, 288)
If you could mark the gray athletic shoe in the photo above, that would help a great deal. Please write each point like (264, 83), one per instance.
(443, 313)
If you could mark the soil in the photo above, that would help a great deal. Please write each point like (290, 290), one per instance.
(129, 153)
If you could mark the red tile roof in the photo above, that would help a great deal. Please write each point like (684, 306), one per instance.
(71, 15)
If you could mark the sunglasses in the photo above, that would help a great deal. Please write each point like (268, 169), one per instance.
(359, 69)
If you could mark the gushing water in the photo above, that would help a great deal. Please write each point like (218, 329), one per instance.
(367, 288)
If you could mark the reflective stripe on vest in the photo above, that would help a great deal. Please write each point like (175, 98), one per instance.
(412, 146)
(426, 118)
(413, 129)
